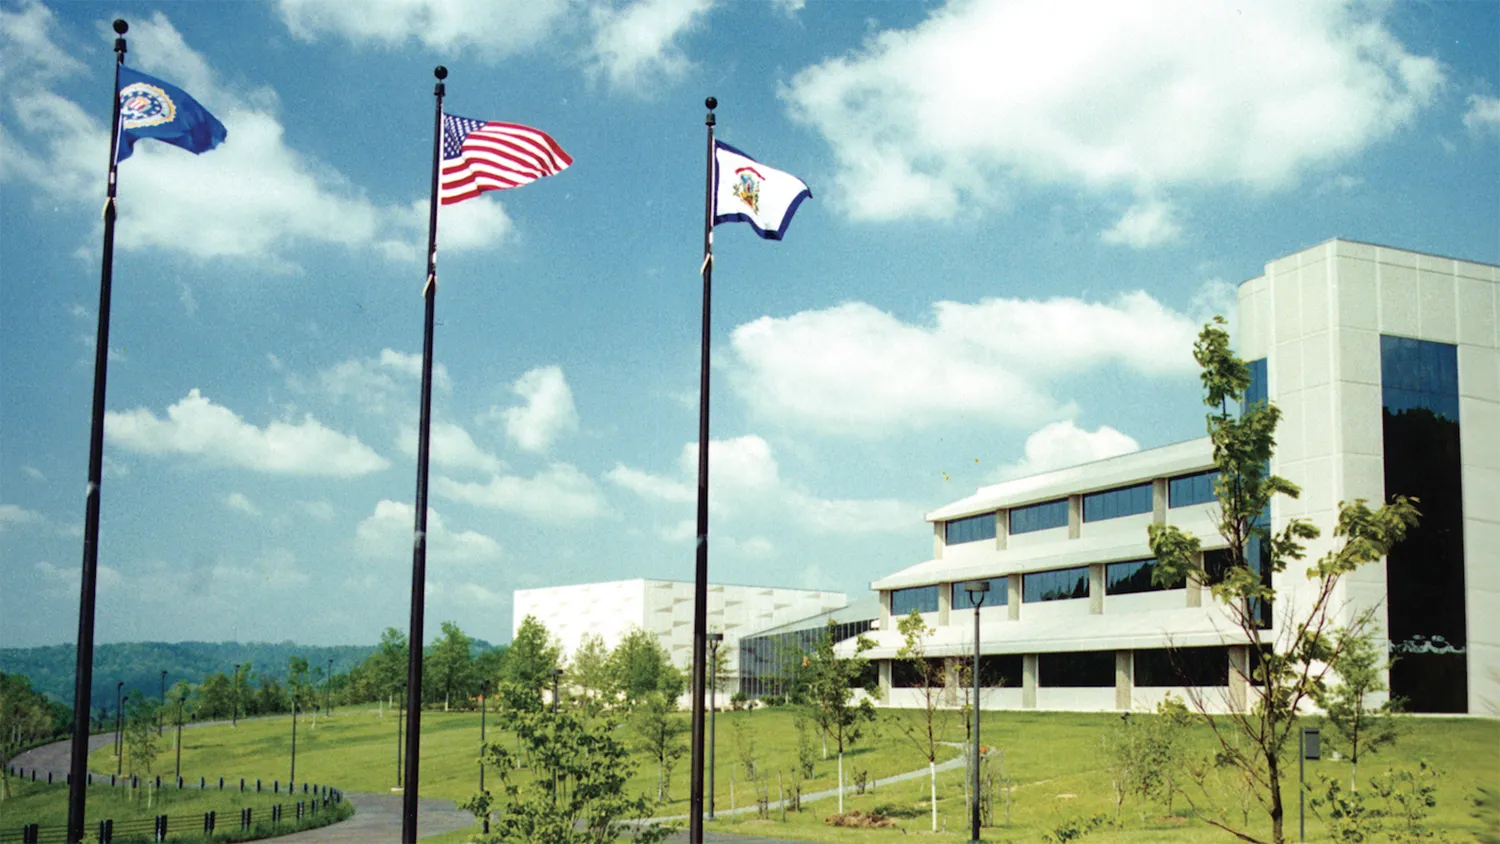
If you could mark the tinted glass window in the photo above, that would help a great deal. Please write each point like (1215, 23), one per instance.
(1114, 503)
(970, 529)
(1197, 488)
(1182, 667)
(1077, 669)
(999, 586)
(1256, 393)
(1132, 576)
(1048, 514)
(908, 673)
(1058, 585)
(919, 598)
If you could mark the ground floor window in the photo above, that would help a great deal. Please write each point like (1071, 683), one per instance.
(1079, 669)
(1182, 667)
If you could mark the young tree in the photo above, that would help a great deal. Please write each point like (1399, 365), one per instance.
(1290, 670)
(1360, 728)
(926, 733)
(831, 684)
(659, 734)
(215, 696)
(24, 718)
(577, 795)
(588, 671)
(639, 666)
(452, 663)
(141, 744)
(532, 657)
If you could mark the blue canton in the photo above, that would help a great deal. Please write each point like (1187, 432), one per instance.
(455, 129)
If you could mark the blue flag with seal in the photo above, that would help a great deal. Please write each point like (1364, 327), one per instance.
(151, 108)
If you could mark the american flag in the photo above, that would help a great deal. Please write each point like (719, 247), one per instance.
(483, 155)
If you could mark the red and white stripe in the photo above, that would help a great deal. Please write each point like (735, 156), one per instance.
(499, 156)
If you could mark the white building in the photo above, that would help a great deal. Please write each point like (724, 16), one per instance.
(665, 607)
(1386, 366)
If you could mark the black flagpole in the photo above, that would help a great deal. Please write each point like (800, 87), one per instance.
(419, 538)
(700, 580)
(84, 672)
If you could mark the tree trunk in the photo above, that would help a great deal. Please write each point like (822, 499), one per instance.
(1277, 810)
(660, 769)
(841, 782)
(825, 747)
(932, 787)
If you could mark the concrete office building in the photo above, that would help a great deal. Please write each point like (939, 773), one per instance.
(1386, 366)
(665, 608)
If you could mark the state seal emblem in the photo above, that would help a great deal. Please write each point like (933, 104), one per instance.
(143, 105)
(747, 187)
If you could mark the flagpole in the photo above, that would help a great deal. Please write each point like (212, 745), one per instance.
(700, 581)
(84, 671)
(419, 538)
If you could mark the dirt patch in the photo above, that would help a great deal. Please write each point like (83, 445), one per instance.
(859, 820)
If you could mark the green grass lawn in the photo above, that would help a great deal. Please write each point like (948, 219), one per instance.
(47, 805)
(1053, 760)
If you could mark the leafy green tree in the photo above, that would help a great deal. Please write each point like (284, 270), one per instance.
(577, 795)
(1290, 671)
(215, 696)
(639, 666)
(927, 733)
(659, 734)
(831, 682)
(141, 742)
(452, 662)
(1359, 729)
(490, 664)
(588, 670)
(25, 717)
(532, 657)
(1145, 752)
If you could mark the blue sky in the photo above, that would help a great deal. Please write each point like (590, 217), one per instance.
(1022, 213)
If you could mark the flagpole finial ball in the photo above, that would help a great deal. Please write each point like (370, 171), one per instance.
(712, 103)
(121, 26)
(440, 72)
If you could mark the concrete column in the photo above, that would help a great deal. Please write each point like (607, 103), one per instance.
(1002, 529)
(1096, 588)
(1159, 501)
(1013, 597)
(939, 539)
(1075, 516)
(1194, 585)
(1028, 681)
(884, 667)
(1124, 679)
(945, 603)
(885, 610)
(1239, 677)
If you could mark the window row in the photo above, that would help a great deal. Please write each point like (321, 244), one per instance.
(1153, 668)
(971, 529)
(1182, 491)
(1124, 578)
(1116, 503)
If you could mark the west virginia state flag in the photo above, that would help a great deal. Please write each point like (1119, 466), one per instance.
(151, 108)
(746, 191)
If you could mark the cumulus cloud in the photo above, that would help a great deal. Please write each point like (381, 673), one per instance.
(857, 371)
(1133, 98)
(1063, 444)
(238, 502)
(451, 447)
(1483, 114)
(635, 46)
(387, 533)
(492, 28)
(547, 414)
(320, 510)
(34, 473)
(253, 198)
(558, 493)
(10, 514)
(380, 385)
(196, 426)
(747, 483)
(1144, 225)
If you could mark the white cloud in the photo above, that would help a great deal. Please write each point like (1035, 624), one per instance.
(254, 198)
(34, 473)
(559, 493)
(1144, 225)
(548, 413)
(63, 580)
(1483, 114)
(1139, 98)
(450, 447)
(492, 28)
(31, 54)
(1063, 444)
(196, 426)
(476, 224)
(635, 46)
(855, 370)
(11, 514)
(238, 502)
(320, 510)
(387, 533)
(372, 384)
(747, 483)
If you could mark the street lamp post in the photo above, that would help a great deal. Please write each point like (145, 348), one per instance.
(484, 693)
(556, 676)
(234, 718)
(162, 713)
(400, 721)
(119, 702)
(713, 707)
(977, 589)
(179, 735)
(120, 731)
(328, 691)
(292, 780)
